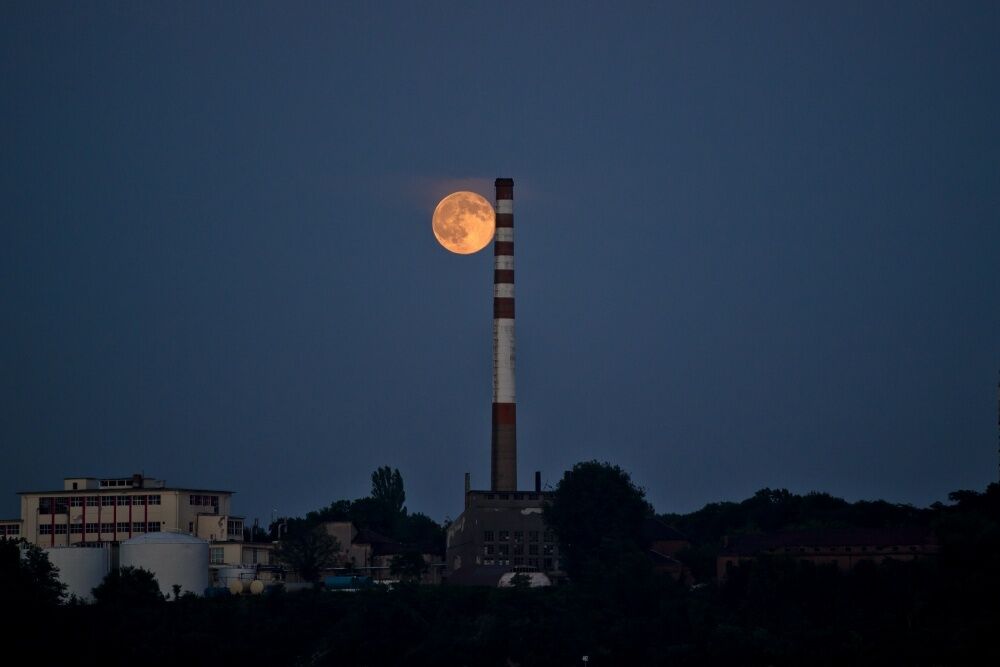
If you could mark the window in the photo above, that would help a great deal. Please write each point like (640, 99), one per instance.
(490, 496)
(532, 535)
(92, 501)
(138, 527)
(107, 527)
(107, 501)
(532, 496)
(487, 536)
(124, 500)
(61, 529)
(518, 496)
(518, 549)
(74, 486)
(53, 505)
(123, 526)
(504, 496)
(550, 536)
(217, 556)
(547, 564)
(76, 501)
(194, 500)
(489, 549)
(504, 535)
(76, 528)
(213, 501)
(234, 527)
(138, 500)
(533, 562)
(504, 549)
(518, 560)
(548, 549)
(519, 536)
(153, 527)
(532, 549)
(92, 527)
(45, 529)
(154, 500)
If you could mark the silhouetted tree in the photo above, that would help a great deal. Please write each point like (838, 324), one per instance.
(128, 587)
(308, 552)
(387, 488)
(27, 578)
(409, 565)
(597, 514)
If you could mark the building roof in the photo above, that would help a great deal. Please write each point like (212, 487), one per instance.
(834, 537)
(122, 490)
(655, 530)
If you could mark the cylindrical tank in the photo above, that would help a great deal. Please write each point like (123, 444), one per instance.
(236, 573)
(535, 579)
(175, 559)
(81, 569)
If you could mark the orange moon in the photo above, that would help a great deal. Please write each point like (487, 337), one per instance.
(464, 222)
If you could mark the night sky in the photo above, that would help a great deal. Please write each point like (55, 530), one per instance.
(758, 244)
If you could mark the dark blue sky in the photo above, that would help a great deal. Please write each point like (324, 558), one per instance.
(757, 245)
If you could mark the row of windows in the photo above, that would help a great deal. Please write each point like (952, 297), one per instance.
(508, 496)
(120, 527)
(59, 505)
(546, 564)
(846, 549)
(213, 501)
(504, 549)
(504, 536)
(10, 529)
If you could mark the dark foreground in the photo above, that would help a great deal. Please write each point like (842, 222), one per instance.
(771, 613)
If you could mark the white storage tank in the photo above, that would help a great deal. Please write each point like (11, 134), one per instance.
(173, 558)
(81, 568)
(534, 579)
(235, 573)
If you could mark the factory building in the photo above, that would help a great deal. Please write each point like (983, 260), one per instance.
(96, 512)
(501, 530)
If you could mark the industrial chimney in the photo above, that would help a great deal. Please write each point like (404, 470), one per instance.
(504, 435)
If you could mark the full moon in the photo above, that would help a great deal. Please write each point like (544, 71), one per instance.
(464, 222)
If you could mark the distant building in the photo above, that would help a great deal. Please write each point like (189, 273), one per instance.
(665, 542)
(844, 548)
(371, 554)
(501, 532)
(94, 512)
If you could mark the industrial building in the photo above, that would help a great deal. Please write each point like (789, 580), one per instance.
(124, 514)
(501, 530)
(843, 547)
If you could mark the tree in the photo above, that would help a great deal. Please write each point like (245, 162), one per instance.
(308, 552)
(128, 587)
(387, 489)
(409, 565)
(27, 578)
(598, 513)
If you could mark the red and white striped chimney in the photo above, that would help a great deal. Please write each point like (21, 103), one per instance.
(504, 437)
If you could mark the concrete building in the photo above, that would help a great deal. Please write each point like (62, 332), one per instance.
(95, 512)
(370, 554)
(845, 547)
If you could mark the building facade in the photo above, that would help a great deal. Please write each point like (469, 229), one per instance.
(843, 547)
(95, 512)
(501, 532)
